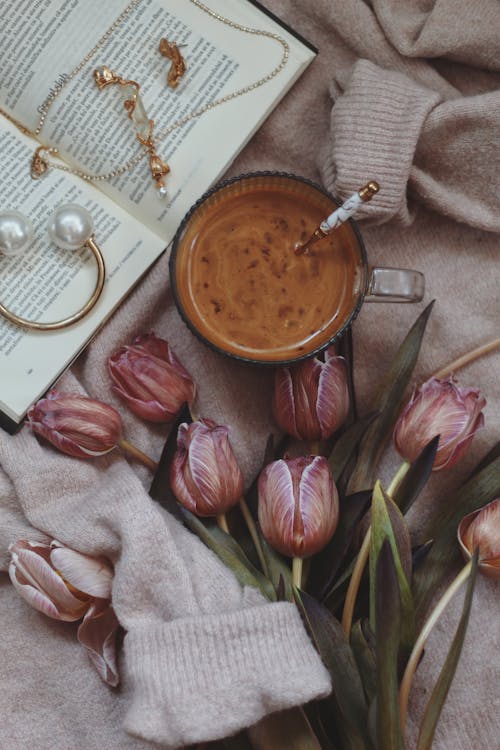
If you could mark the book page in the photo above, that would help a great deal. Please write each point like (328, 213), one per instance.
(48, 284)
(91, 127)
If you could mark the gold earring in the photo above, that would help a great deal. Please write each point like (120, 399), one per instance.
(70, 228)
(178, 67)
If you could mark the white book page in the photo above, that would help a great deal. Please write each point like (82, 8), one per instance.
(48, 284)
(91, 128)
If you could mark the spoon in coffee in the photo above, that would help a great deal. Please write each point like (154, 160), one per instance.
(339, 216)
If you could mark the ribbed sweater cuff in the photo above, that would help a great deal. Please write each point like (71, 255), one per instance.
(202, 679)
(375, 126)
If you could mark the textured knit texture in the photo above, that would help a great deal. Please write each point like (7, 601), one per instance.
(406, 93)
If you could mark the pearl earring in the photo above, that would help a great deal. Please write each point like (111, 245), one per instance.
(70, 227)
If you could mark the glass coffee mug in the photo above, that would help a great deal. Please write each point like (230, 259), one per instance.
(242, 289)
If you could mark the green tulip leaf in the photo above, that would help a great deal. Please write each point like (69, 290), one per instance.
(388, 402)
(229, 551)
(160, 486)
(334, 600)
(416, 477)
(347, 700)
(387, 524)
(326, 564)
(363, 647)
(419, 553)
(388, 618)
(492, 454)
(347, 444)
(481, 489)
(279, 569)
(285, 730)
(438, 697)
(237, 742)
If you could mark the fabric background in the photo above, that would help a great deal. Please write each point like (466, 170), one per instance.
(403, 92)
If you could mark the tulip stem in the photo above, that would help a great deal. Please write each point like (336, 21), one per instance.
(133, 452)
(398, 478)
(465, 359)
(363, 554)
(354, 583)
(418, 648)
(252, 528)
(297, 571)
(222, 522)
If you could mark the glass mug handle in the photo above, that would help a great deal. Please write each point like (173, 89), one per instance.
(395, 285)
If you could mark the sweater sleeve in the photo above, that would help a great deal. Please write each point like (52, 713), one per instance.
(386, 126)
(202, 657)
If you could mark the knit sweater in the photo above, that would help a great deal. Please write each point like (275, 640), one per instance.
(404, 93)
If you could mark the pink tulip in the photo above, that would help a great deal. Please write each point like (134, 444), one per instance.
(482, 529)
(67, 585)
(77, 425)
(311, 399)
(150, 379)
(298, 505)
(439, 407)
(205, 476)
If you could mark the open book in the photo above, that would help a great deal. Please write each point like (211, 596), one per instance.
(38, 50)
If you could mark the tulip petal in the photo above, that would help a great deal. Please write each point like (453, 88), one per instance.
(90, 575)
(439, 407)
(332, 403)
(203, 469)
(153, 345)
(97, 633)
(318, 505)
(277, 506)
(37, 572)
(77, 425)
(34, 597)
(305, 378)
(284, 402)
(150, 379)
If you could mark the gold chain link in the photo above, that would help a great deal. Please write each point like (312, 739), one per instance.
(127, 166)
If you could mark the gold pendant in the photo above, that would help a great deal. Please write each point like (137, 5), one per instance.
(40, 165)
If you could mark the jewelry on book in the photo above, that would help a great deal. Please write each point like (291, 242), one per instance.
(178, 67)
(134, 106)
(70, 227)
(63, 81)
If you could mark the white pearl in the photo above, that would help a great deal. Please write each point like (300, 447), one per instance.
(16, 232)
(162, 193)
(70, 226)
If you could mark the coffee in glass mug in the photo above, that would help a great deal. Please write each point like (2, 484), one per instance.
(241, 287)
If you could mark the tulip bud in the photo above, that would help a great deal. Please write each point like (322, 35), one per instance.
(68, 585)
(205, 476)
(482, 529)
(439, 407)
(150, 379)
(298, 505)
(77, 425)
(311, 398)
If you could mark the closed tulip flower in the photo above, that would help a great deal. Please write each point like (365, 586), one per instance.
(298, 505)
(205, 476)
(77, 425)
(150, 379)
(68, 585)
(439, 407)
(311, 399)
(482, 529)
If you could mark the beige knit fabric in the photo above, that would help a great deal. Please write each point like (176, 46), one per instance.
(403, 92)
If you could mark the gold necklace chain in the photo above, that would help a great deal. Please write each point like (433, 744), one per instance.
(127, 166)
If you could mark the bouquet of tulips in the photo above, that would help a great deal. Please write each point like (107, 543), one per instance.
(317, 527)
